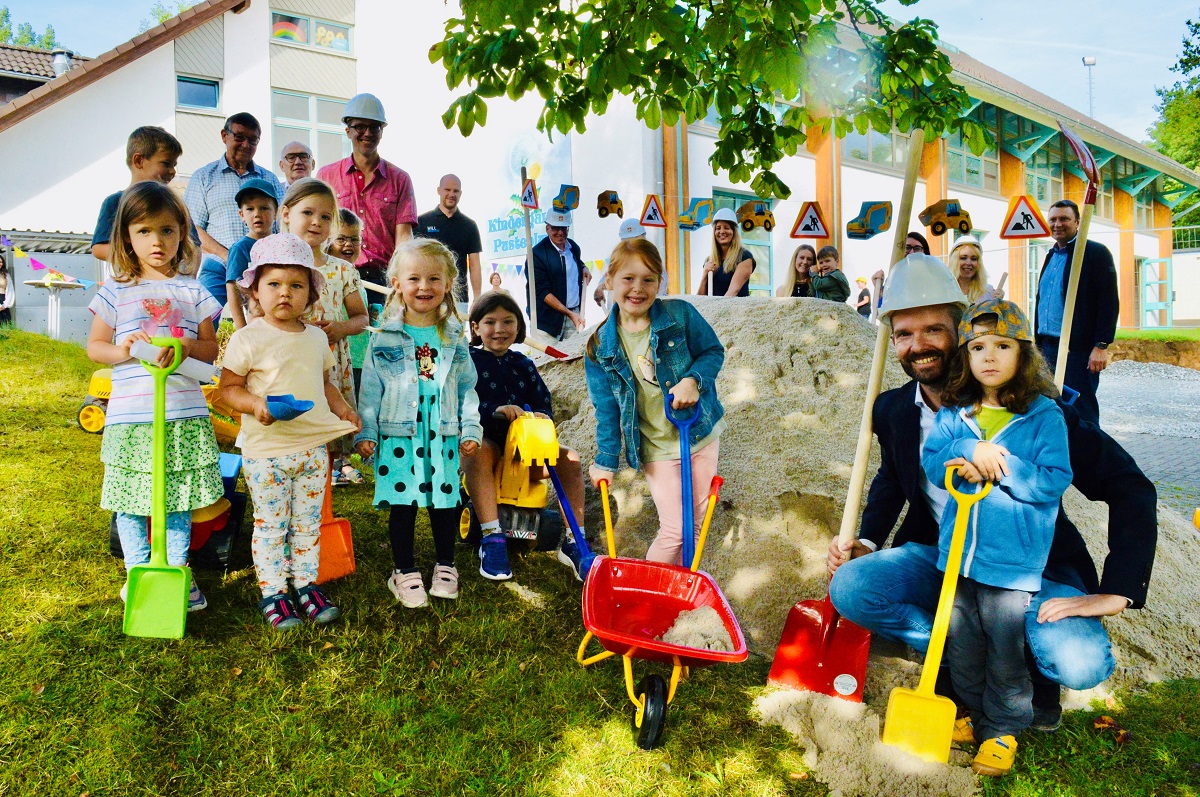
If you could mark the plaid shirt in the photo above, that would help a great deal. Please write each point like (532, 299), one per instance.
(386, 202)
(209, 198)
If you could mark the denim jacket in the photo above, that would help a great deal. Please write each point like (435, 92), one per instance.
(684, 345)
(387, 401)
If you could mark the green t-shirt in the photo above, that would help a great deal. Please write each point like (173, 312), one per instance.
(991, 420)
(660, 438)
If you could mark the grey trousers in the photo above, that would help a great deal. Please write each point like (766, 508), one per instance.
(986, 652)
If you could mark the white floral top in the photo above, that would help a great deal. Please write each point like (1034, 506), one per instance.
(341, 280)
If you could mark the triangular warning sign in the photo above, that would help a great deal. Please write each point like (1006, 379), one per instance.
(810, 223)
(529, 195)
(652, 212)
(1024, 220)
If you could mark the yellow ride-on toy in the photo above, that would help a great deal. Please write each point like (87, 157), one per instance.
(531, 442)
(226, 421)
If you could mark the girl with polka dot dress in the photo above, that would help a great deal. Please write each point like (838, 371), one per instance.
(420, 414)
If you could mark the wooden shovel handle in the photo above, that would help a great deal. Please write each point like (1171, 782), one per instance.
(862, 452)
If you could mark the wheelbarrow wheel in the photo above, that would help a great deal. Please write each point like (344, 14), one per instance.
(652, 691)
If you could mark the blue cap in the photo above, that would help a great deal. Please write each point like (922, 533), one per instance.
(257, 185)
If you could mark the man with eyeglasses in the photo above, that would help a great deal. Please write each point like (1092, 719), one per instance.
(210, 198)
(559, 278)
(379, 192)
(448, 224)
(296, 161)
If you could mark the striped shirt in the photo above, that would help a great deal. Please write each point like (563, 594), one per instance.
(125, 306)
(210, 198)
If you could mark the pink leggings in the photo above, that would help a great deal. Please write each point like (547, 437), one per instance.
(666, 488)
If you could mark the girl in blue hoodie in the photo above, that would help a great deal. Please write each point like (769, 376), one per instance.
(999, 423)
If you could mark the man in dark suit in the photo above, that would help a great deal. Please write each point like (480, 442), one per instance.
(559, 278)
(1096, 307)
(894, 592)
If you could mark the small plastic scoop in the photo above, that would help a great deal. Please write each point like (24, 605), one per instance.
(287, 407)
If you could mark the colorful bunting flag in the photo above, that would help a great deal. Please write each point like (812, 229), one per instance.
(19, 252)
(4, 240)
(35, 265)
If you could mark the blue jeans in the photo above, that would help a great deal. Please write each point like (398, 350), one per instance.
(894, 592)
(136, 547)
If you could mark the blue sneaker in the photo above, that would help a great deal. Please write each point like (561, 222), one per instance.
(316, 605)
(196, 599)
(280, 612)
(569, 555)
(493, 558)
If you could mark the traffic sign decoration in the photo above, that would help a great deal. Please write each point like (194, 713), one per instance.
(810, 223)
(652, 213)
(529, 195)
(1024, 220)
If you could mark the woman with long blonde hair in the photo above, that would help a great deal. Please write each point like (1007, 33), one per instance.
(798, 282)
(729, 264)
(966, 264)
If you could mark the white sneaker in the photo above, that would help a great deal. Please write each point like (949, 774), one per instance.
(409, 589)
(444, 583)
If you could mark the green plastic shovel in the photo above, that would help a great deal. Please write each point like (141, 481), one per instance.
(156, 599)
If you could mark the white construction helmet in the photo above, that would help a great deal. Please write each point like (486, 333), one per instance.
(919, 280)
(364, 106)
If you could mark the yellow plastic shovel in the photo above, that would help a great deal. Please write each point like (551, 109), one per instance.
(917, 720)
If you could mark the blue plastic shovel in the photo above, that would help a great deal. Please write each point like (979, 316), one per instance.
(684, 425)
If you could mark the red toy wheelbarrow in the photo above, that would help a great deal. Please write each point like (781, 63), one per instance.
(629, 603)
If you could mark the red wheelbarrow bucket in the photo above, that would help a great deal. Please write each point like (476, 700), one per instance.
(628, 603)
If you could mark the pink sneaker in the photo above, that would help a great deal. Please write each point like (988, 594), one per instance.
(409, 589)
(444, 583)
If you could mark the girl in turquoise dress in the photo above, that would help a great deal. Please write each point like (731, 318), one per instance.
(420, 414)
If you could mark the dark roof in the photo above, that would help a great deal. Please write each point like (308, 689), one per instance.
(94, 69)
(38, 64)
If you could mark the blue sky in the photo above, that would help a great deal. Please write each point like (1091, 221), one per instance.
(1134, 47)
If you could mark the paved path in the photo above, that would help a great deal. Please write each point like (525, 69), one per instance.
(1153, 410)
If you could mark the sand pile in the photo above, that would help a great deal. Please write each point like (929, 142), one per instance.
(792, 386)
(700, 628)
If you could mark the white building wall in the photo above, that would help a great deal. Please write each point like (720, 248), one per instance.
(1185, 277)
(74, 150)
(864, 258)
(247, 83)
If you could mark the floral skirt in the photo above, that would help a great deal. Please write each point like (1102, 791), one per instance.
(193, 474)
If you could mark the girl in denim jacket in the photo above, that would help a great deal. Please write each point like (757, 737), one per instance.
(646, 346)
(420, 413)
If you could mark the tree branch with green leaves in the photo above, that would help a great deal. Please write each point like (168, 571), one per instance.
(774, 72)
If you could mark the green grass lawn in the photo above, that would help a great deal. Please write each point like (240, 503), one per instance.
(477, 696)
(1168, 335)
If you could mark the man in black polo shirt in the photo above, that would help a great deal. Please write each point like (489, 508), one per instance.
(460, 234)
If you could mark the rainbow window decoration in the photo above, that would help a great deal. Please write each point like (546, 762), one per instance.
(285, 27)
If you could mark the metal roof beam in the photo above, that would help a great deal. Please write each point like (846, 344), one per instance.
(1034, 142)
(1134, 183)
(1173, 196)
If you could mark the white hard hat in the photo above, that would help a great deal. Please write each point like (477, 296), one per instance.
(364, 106)
(919, 280)
(631, 228)
(965, 240)
(725, 214)
(558, 218)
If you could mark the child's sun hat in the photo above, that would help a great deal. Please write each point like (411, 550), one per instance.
(282, 249)
(1011, 322)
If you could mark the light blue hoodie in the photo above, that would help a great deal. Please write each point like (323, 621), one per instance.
(1010, 531)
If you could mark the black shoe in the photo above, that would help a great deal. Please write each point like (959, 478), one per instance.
(1047, 706)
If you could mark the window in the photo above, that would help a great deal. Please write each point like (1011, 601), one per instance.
(316, 122)
(757, 241)
(1104, 198)
(965, 167)
(309, 32)
(193, 92)
(1143, 208)
(1044, 173)
(880, 149)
